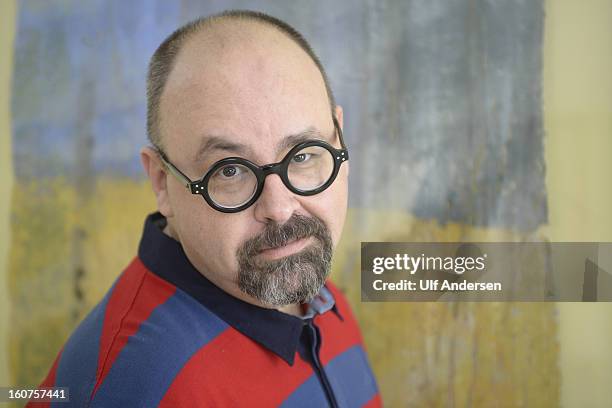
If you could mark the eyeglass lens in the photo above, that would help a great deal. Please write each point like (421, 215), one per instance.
(235, 184)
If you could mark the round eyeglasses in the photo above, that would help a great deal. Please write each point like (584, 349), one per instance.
(234, 183)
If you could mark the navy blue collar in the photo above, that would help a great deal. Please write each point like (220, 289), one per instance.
(278, 332)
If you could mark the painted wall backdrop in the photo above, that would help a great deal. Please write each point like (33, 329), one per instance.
(443, 118)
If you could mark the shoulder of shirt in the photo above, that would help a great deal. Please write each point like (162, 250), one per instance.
(142, 325)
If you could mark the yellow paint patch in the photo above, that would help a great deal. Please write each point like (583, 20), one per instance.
(449, 354)
(55, 234)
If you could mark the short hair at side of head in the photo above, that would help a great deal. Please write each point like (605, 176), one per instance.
(164, 58)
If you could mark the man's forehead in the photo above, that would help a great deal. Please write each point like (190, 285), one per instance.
(241, 146)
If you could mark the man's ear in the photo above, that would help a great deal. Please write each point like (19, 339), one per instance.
(154, 168)
(339, 116)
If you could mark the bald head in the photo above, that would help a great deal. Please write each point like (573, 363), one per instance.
(233, 44)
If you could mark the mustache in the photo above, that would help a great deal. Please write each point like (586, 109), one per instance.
(277, 235)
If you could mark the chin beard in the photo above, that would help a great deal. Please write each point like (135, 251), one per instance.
(296, 278)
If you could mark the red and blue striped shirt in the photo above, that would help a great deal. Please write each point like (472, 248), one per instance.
(165, 336)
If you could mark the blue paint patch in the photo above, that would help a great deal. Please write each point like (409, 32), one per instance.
(80, 72)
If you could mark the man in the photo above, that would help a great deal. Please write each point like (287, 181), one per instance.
(227, 303)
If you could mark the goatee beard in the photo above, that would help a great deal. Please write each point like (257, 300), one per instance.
(296, 278)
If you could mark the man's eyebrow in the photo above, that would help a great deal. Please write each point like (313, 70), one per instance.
(219, 143)
(309, 133)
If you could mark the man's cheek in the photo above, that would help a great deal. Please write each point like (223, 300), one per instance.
(230, 253)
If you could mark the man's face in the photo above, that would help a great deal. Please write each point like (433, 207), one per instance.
(246, 96)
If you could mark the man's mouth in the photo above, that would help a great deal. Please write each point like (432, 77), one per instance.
(290, 248)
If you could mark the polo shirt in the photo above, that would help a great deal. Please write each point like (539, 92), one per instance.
(165, 336)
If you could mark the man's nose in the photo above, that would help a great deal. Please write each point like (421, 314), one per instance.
(276, 203)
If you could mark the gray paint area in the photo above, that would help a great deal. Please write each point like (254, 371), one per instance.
(442, 98)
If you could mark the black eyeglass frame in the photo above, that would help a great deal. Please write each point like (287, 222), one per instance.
(261, 172)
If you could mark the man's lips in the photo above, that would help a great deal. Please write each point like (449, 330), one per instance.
(285, 250)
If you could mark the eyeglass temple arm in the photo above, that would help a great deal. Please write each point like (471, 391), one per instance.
(174, 171)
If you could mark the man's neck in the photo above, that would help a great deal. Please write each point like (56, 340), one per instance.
(293, 309)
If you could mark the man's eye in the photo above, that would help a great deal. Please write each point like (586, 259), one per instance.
(302, 157)
(229, 172)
